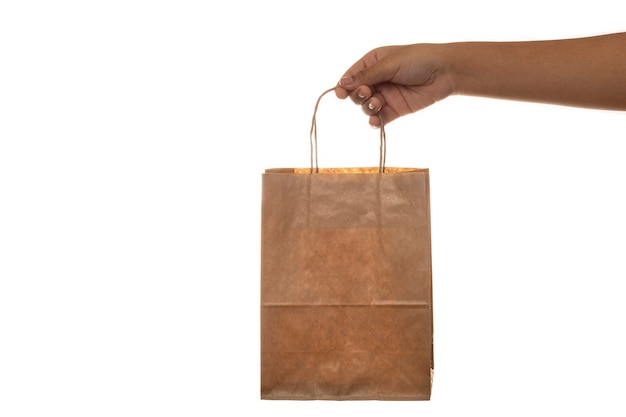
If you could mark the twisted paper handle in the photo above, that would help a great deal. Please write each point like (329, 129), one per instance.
(313, 138)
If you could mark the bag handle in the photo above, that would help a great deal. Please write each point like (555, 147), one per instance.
(313, 138)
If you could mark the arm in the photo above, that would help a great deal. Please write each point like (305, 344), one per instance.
(398, 80)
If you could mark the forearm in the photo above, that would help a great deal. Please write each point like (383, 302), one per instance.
(586, 72)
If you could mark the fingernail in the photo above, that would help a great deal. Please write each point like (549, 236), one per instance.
(361, 95)
(346, 80)
(371, 106)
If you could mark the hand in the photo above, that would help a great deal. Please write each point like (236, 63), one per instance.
(396, 81)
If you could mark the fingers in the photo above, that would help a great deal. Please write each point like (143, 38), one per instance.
(374, 108)
(371, 103)
(359, 83)
(365, 97)
(346, 87)
(361, 94)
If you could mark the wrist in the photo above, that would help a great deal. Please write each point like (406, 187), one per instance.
(441, 67)
(453, 61)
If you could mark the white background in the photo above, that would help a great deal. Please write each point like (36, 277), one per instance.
(133, 135)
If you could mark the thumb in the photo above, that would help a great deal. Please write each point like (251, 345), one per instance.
(380, 72)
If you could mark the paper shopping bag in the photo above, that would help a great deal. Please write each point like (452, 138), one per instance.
(346, 295)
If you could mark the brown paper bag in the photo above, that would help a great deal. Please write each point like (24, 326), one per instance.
(346, 298)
